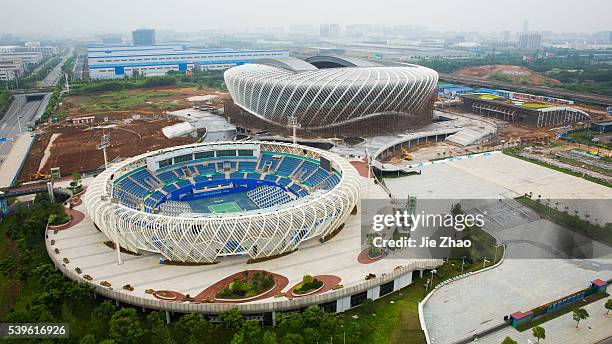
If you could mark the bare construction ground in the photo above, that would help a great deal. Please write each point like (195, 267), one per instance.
(75, 149)
(133, 119)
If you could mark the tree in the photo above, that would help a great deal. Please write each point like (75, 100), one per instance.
(250, 333)
(539, 333)
(191, 328)
(101, 316)
(580, 314)
(88, 339)
(125, 327)
(608, 306)
(509, 340)
(269, 337)
(232, 318)
(158, 332)
(76, 182)
(293, 338)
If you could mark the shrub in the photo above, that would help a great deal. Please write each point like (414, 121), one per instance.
(308, 284)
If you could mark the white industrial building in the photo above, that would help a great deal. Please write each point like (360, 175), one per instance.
(30, 47)
(109, 62)
(16, 64)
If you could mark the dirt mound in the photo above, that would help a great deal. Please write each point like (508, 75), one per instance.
(507, 73)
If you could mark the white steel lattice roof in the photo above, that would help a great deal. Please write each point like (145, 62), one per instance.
(205, 237)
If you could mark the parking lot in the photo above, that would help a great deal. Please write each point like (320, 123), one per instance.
(468, 306)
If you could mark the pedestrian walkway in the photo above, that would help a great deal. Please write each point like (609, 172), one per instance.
(562, 330)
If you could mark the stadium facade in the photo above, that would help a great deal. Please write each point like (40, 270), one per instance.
(199, 202)
(324, 92)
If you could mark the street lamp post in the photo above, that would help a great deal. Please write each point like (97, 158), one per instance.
(19, 124)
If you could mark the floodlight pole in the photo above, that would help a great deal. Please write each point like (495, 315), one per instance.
(104, 143)
(293, 123)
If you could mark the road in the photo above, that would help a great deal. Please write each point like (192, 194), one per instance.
(585, 97)
(56, 73)
(21, 112)
(80, 68)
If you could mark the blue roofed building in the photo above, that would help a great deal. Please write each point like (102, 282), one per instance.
(118, 61)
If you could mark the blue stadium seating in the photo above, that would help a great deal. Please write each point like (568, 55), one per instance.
(247, 165)
(144, 188)
(287, 165)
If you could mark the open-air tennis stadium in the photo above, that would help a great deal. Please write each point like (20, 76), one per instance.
(199, 202)
(190, 219)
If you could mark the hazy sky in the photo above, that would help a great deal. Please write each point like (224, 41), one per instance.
(54, 16)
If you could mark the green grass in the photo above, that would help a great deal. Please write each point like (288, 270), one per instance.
(535, 106)
(562, 311)
(120, 100)
(398, 322)
(553, 144)
(574, 223)
(488, 96)
(229, 207)
(584, 137)
(587, 166)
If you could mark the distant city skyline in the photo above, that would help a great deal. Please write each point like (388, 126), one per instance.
(114, 16)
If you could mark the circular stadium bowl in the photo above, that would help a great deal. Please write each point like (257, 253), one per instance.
(200, 202)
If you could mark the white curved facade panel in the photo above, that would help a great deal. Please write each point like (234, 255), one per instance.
(331, 96)
(205, 237)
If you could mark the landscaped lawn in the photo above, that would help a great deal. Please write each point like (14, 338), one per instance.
(535, 106)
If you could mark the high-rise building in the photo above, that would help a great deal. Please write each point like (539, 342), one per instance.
(334, 30)
(526, 26)
(143, 37)
(530, 41)
(505, 36)
(324, 31)
(602, 37)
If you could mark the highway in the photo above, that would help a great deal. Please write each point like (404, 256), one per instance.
(80, 67)
(56, 73)
(553, 92)
(21, 112)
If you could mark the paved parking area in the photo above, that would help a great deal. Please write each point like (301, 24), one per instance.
(467, 306)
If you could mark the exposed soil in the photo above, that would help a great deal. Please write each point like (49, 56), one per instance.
(512, 132)
(76, 148)
(516, 74)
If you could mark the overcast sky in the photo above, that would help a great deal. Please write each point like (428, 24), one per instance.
(55, 16)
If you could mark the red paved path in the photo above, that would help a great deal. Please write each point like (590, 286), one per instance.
(362, 167)
(213, 290)
(364, 259)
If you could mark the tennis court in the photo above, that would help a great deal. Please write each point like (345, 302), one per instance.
(229, 207)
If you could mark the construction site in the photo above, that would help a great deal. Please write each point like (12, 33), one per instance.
(133, 121)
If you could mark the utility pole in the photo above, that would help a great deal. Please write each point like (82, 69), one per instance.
(67, 84)
(293, 124)
(104, 143)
